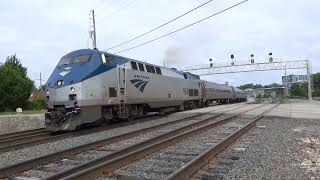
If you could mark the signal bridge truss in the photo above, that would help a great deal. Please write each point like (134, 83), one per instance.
(211, 69)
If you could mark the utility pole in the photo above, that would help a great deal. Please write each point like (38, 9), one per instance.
(286, 86)
(309, 79)
(40, 80)
(92, 30)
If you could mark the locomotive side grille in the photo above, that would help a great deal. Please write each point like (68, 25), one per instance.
(72, 97)
(112, 92)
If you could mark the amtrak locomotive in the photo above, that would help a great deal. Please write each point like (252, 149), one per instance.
(91, 86)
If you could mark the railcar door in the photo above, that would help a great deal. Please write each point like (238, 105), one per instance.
(233, 93)
(122, 90)
(203, 92)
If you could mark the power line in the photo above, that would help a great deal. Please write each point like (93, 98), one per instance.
(104, 4)
(119, 9)
(160, 37)
(108, 9)
(164, 24)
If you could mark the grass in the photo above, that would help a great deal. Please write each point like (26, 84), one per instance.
(23, 112)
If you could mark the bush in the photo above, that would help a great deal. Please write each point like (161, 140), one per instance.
(266, 96)
(37, 104)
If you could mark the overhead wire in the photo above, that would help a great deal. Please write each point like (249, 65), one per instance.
(192, 24)
(158, 27)
(117, 10)
(104, 4)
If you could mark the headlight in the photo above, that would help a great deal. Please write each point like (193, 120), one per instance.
(60, 82)
(47, 92)
(72, 89)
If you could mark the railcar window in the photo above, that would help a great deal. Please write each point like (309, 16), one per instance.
(141, 68)
(196, 93)
(152, 69)
(148, 68)
(134, 65)
(158, 70)
(190, 92)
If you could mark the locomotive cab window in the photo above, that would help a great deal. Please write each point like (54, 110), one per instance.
(81, 59)
(158, 70)
(74, 59)
(185, 76)
(134, 65)
(141, 67)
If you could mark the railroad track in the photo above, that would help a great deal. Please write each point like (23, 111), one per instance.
(21, 134)
(80, 158)
(23, 139)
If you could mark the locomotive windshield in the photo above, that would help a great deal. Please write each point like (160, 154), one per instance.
(74, 59)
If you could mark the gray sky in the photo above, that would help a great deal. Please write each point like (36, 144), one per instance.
(40, 32)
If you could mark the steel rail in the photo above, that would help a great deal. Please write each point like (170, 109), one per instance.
(111, 162)
(21, 133)
(24, 138)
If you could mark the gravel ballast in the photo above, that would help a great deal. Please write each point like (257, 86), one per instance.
(161, 164)
(278, 148)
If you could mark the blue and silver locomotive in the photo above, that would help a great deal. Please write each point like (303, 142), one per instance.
(91, 86)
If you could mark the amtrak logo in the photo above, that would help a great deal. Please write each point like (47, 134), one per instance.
(63, 73)
(139, 84)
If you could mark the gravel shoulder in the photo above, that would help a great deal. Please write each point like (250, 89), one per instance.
(23, 122)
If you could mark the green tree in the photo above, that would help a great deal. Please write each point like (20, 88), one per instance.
(246, 86)
(15, 86)
(42, 87)
(272, 85)
(16, 63)
(299, 90)
(316, 83)
(251, 86)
